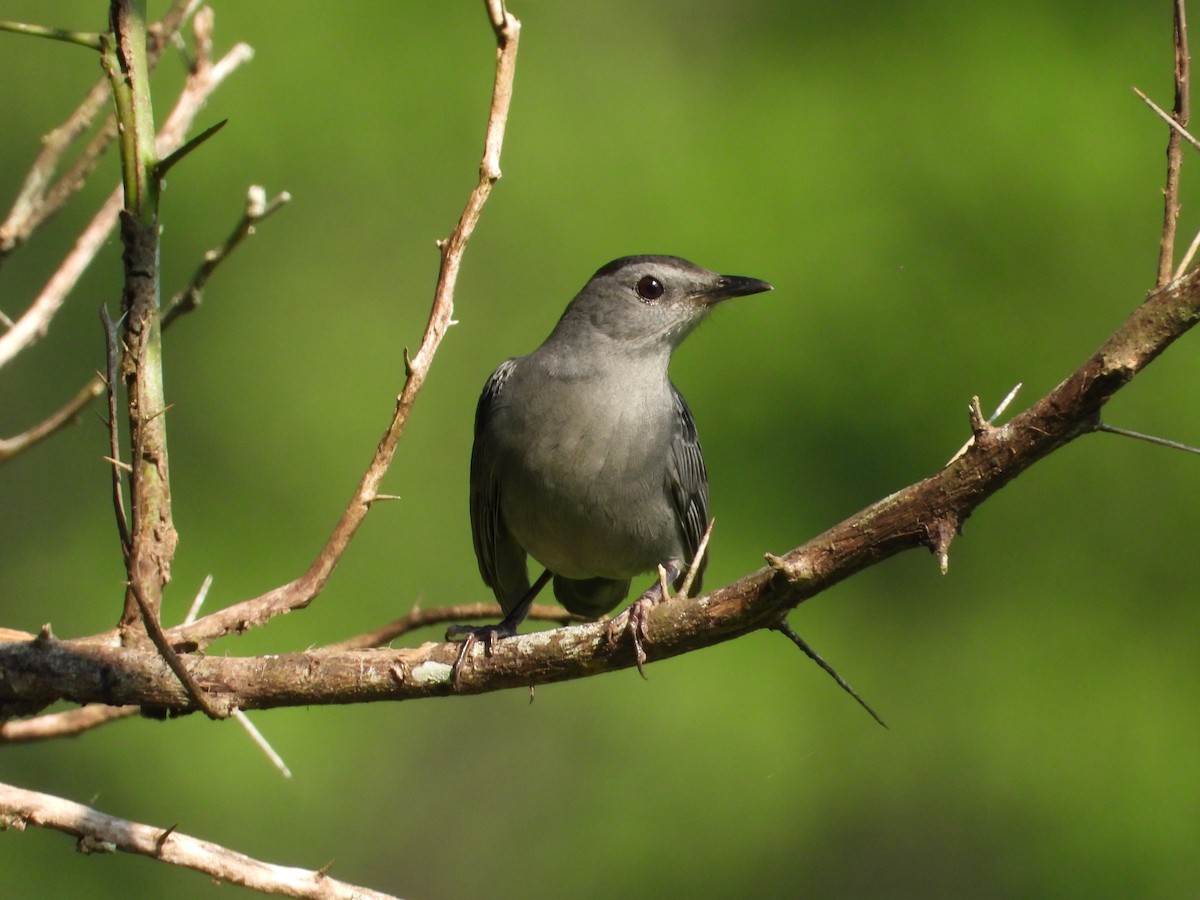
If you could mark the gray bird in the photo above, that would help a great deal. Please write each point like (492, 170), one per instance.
(586, 456)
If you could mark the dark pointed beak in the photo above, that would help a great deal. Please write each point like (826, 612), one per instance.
(734, 286)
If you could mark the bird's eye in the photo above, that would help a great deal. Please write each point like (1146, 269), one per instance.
(649, 288)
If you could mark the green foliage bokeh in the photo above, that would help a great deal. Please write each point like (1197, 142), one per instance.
(949, 198)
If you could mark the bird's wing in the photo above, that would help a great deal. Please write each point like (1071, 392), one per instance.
(501, 559)
(687, 483)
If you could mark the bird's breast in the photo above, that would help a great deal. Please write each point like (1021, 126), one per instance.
(582, 475)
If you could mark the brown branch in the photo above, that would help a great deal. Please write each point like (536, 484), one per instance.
(299, 593)
(925, 514)
(101, 833)
(76, 721)
(69, 723)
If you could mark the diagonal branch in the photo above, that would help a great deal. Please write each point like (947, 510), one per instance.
(926, 514)
(100, 833)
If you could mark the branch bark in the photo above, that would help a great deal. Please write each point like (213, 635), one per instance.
(101, 833)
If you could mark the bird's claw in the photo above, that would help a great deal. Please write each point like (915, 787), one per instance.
(470, 636)
(633, 620)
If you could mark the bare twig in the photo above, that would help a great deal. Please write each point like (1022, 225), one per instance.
(787, 631)
(39, 199)
(256, 209)
(1169, 119)
(70, 723)
(300, 592)
(1149, 438)
(98, 831)
(262, 743)
(64, 416)
(1186, 262)
(205, 78)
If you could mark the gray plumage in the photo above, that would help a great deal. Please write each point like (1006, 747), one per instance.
(586, 456)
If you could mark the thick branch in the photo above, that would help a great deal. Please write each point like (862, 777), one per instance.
(95, 670)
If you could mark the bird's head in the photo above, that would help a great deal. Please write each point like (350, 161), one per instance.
(648, 303)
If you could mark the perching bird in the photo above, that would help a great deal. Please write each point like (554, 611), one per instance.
(586, 456)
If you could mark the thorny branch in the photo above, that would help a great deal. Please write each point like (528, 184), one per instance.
(926, 514)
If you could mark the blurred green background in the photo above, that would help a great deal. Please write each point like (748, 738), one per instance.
(949, 198)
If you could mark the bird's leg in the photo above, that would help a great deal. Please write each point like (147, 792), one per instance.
(470, 635)
(634, 618)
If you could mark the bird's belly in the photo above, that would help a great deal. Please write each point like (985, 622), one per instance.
(584, 510)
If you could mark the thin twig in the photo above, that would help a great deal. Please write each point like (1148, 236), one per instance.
(70, 723)
(1169, 119)
(201, 596)
(95, 829)
(40, 198)
(60, 419)
(257, 209)
(256, 736)
(35, 322)
(1186, 262)
(262, 743)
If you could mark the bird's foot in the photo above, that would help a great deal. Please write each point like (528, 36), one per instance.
(633, 620)
(471, 635)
